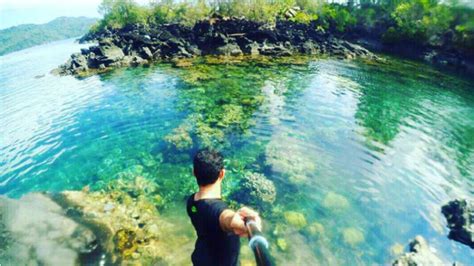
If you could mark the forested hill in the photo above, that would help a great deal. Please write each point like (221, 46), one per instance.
(28, 35)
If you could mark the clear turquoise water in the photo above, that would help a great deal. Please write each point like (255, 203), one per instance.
(396, 140)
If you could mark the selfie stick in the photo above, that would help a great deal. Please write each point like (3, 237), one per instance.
(258, 243)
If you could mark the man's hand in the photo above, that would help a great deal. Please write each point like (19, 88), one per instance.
(235, 221)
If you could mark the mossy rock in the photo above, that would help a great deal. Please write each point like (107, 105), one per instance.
(125, 242)
(352, 236)
(335, 202)
(295, 219)
(281, 244)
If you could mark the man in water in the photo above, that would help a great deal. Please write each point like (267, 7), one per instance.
(218, 228)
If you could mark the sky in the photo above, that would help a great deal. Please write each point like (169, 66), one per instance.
(16, 12)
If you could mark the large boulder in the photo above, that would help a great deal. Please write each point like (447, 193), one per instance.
(34, 230)
(230, 49)
(110, 54)
(460, 217)
(420, 254)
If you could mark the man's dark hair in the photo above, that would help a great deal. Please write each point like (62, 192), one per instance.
(207, 165)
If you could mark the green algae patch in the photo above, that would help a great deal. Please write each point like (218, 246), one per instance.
(352, 236)
(295, 219)
(180, 137)
(125, 242)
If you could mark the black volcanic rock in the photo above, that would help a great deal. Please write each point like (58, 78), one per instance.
(419, 254)
(138, 44)
(460, 217)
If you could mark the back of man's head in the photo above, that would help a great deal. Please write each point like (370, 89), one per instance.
(207, 164)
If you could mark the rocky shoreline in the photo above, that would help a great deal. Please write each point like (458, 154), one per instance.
(231, 37)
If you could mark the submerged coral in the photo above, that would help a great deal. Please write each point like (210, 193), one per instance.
(295, 219)
(352, 236)
(396, 249)
(255, 190)
(316, 229)
(289, 160)
(335, 202)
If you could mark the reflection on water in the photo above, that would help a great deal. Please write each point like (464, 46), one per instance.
(362, 156)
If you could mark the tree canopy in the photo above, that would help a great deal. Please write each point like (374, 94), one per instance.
(421, 22)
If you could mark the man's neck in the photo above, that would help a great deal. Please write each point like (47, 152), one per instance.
(209, 192)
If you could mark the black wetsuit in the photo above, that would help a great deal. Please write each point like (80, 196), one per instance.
(213, 245)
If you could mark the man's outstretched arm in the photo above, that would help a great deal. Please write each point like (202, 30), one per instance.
(231, 221)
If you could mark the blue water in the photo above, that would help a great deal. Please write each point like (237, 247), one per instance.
(395, 141)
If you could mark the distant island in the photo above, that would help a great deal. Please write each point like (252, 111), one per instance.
(27, 35)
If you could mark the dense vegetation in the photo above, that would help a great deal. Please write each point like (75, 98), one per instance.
(417, 22)
(28, 35)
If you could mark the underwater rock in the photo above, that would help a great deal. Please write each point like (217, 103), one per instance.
(352, 236)
(295, 219)
(335, 202)
(460, 217)
(419, 254)
(255, 189)
(36, 231)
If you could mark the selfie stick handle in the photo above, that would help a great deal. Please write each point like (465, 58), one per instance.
(258, 243)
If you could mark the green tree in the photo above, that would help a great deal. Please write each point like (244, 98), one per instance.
(118, 13)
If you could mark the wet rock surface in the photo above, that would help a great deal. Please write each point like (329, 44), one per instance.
(119, 225)
(419, 254)
(129, 225)
(138, 44)
(460, 217)
(35, 230)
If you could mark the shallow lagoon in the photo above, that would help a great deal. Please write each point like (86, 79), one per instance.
(362, 154)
